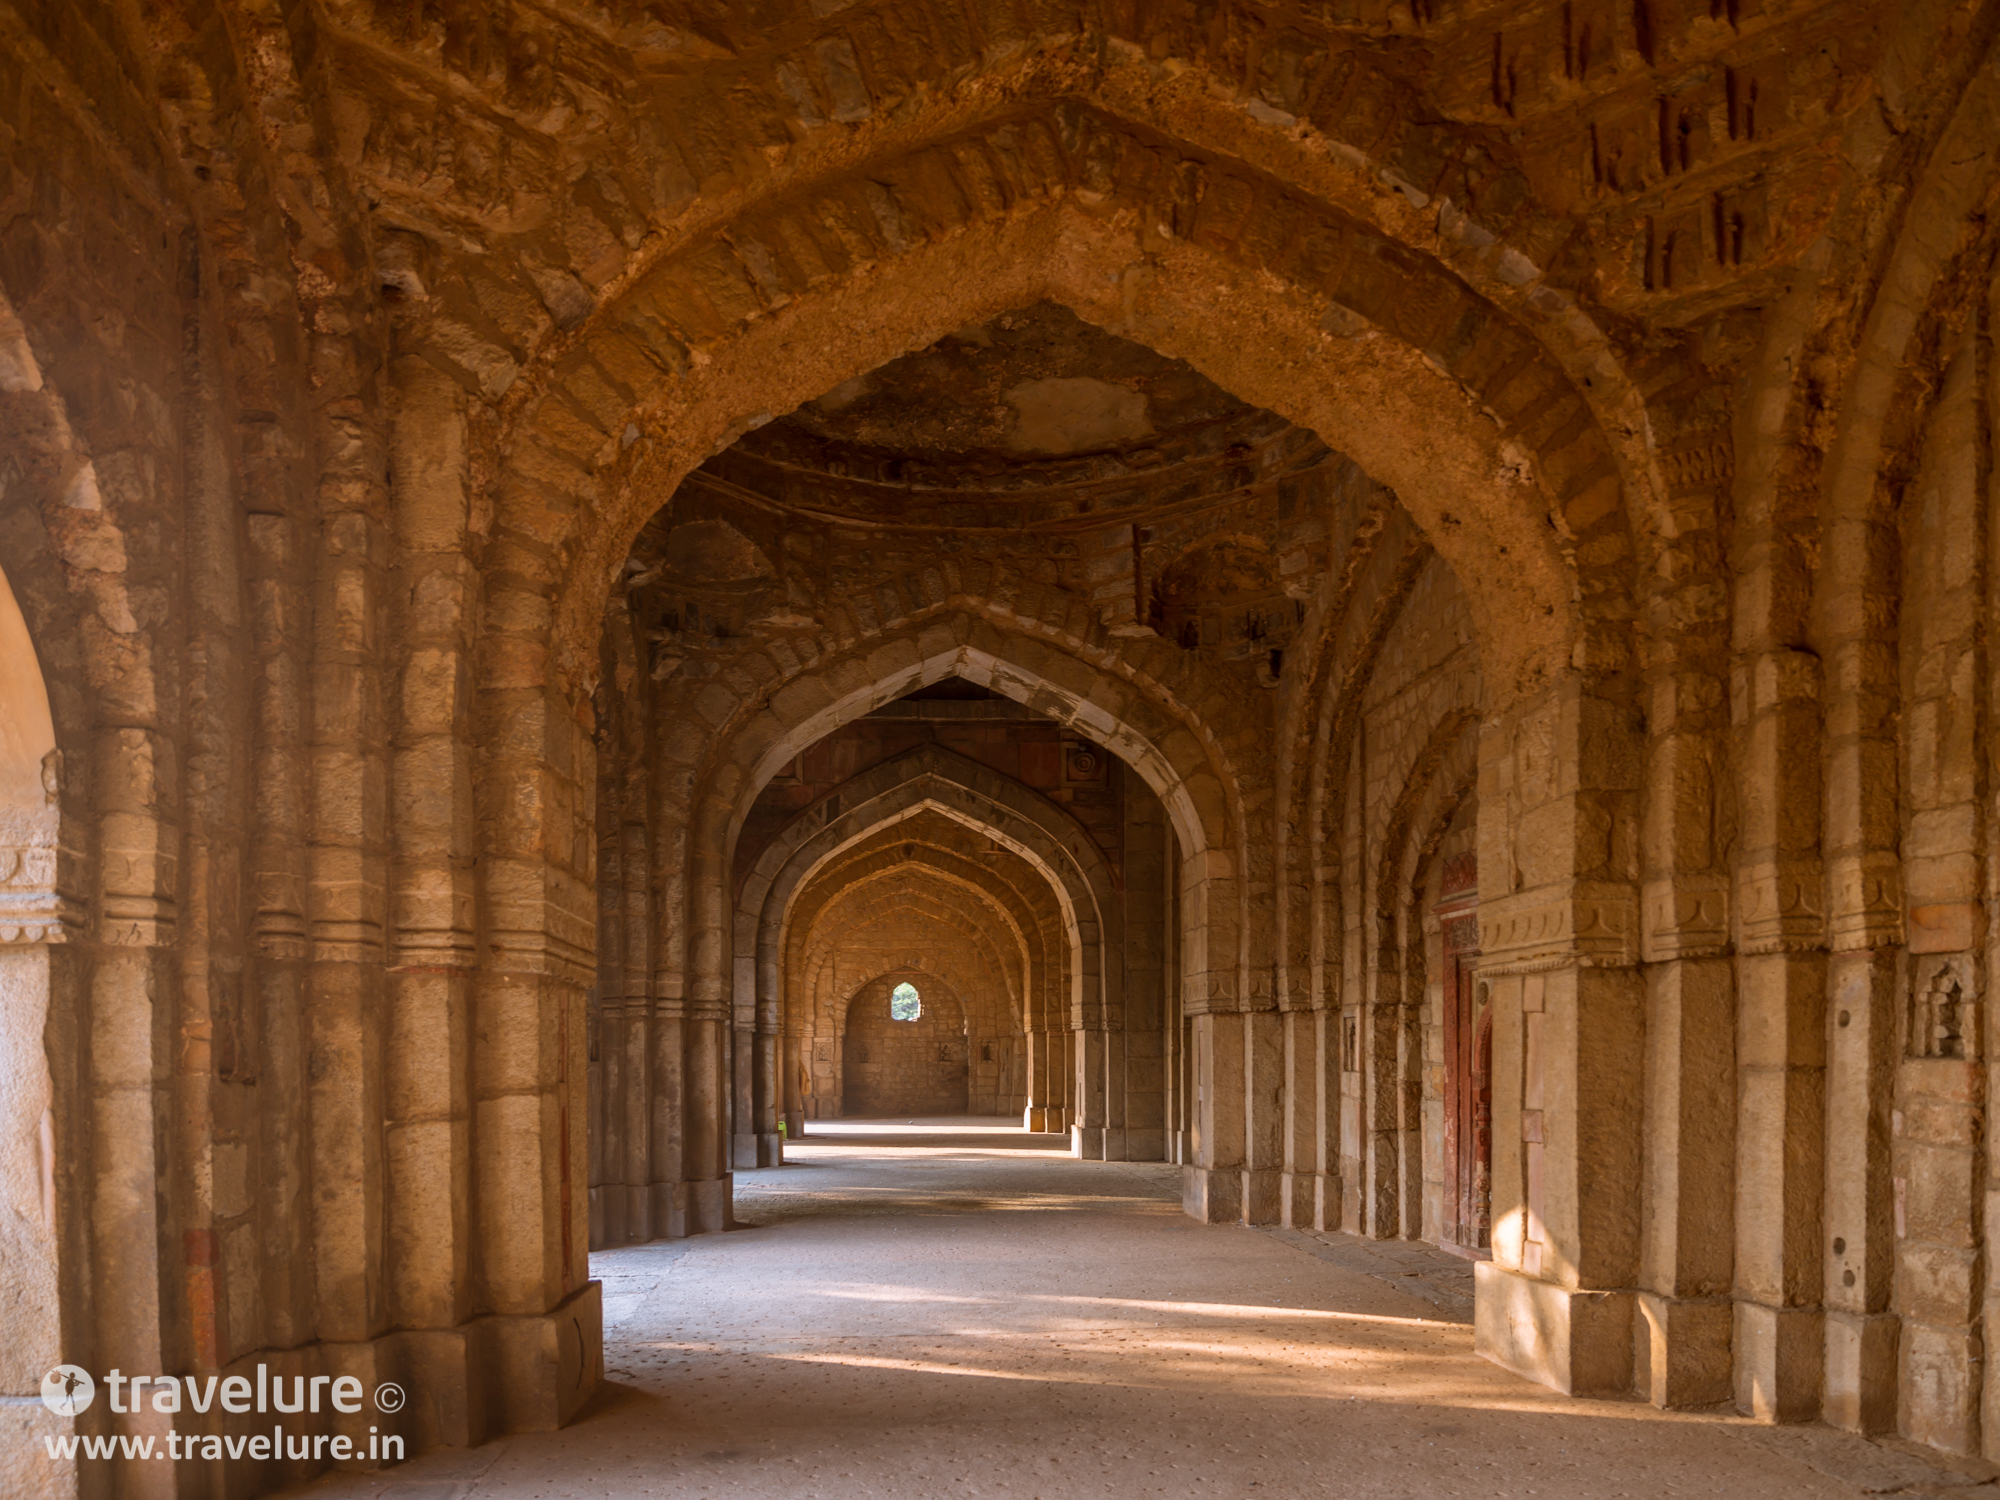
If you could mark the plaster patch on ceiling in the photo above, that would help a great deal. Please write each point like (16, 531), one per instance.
(1069, 414)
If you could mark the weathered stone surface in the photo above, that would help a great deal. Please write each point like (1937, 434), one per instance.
(1393, 601)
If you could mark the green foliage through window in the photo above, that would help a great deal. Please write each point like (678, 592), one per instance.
(904, 1003)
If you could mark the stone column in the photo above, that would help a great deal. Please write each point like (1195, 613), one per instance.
(535, 788)
(426, 1105)
(742, 1068)
(1212, 1181)
(1090, 1047)
(666, 1119)
(794, 1064)
(129, 1020)
(280, 631)
(1301, 1096)
(1145, 974)
(1236, 1058)
(709, 1182)
(766, 1097)
(1044, 1112)
(1558, 942)
(44, 1235)
(1685, 1322)
(1263, 1113)
(1781, 1040)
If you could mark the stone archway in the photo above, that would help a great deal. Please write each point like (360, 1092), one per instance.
(592, 458)
(1036, 830)
(1034, 973)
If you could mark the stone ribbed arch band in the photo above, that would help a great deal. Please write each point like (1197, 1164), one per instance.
(933, 779)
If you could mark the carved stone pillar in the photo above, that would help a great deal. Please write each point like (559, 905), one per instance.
(1559, 944)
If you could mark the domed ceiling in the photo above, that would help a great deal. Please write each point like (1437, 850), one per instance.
(1033, 418)
(1104, 469)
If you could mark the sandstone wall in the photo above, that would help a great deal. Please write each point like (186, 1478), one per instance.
(1606, 463)
(919, 1067)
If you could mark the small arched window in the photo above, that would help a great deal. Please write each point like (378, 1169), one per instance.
(905, 1004)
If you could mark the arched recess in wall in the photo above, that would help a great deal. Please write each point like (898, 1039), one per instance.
(64, 602)
(1442, 776)
(919, 1064)
(1023, 959)
(31, 918)
(1336, 657)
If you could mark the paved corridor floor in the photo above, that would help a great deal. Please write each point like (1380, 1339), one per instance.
(945, 1308)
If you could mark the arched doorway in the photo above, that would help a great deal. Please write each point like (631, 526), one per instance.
(905, 1050)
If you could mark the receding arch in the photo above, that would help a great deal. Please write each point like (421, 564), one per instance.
(1485, 498)
(1048, 839)
(1025, 906)
(1005, 939)
(1442, 319)
(1202, 800)
(909, 802)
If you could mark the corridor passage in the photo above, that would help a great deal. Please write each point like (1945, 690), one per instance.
(946, 1307)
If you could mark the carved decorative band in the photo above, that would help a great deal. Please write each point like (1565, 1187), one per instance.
(15, 934)
(31, 914)
(1686, 917)
(1590, 928)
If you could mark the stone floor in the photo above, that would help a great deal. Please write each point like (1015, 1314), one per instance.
(954, 1307)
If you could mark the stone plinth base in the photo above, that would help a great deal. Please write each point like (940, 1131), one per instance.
(1043, 1120)
(626, 1213)
(670, 1219)
(1231, 1195)
(1860, 1390)
(708, 1204)
(1681, 1350)
(1212, 1196)
(1578, 1342)
(623, 1214)
(1780, 1352)
(771, 1149)
(1309, 1201)
(1263, 1198)
(1114, 1143)
(459, 1386)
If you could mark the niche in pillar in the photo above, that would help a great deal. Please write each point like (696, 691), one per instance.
(906, 1051)
(1943, 1021)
